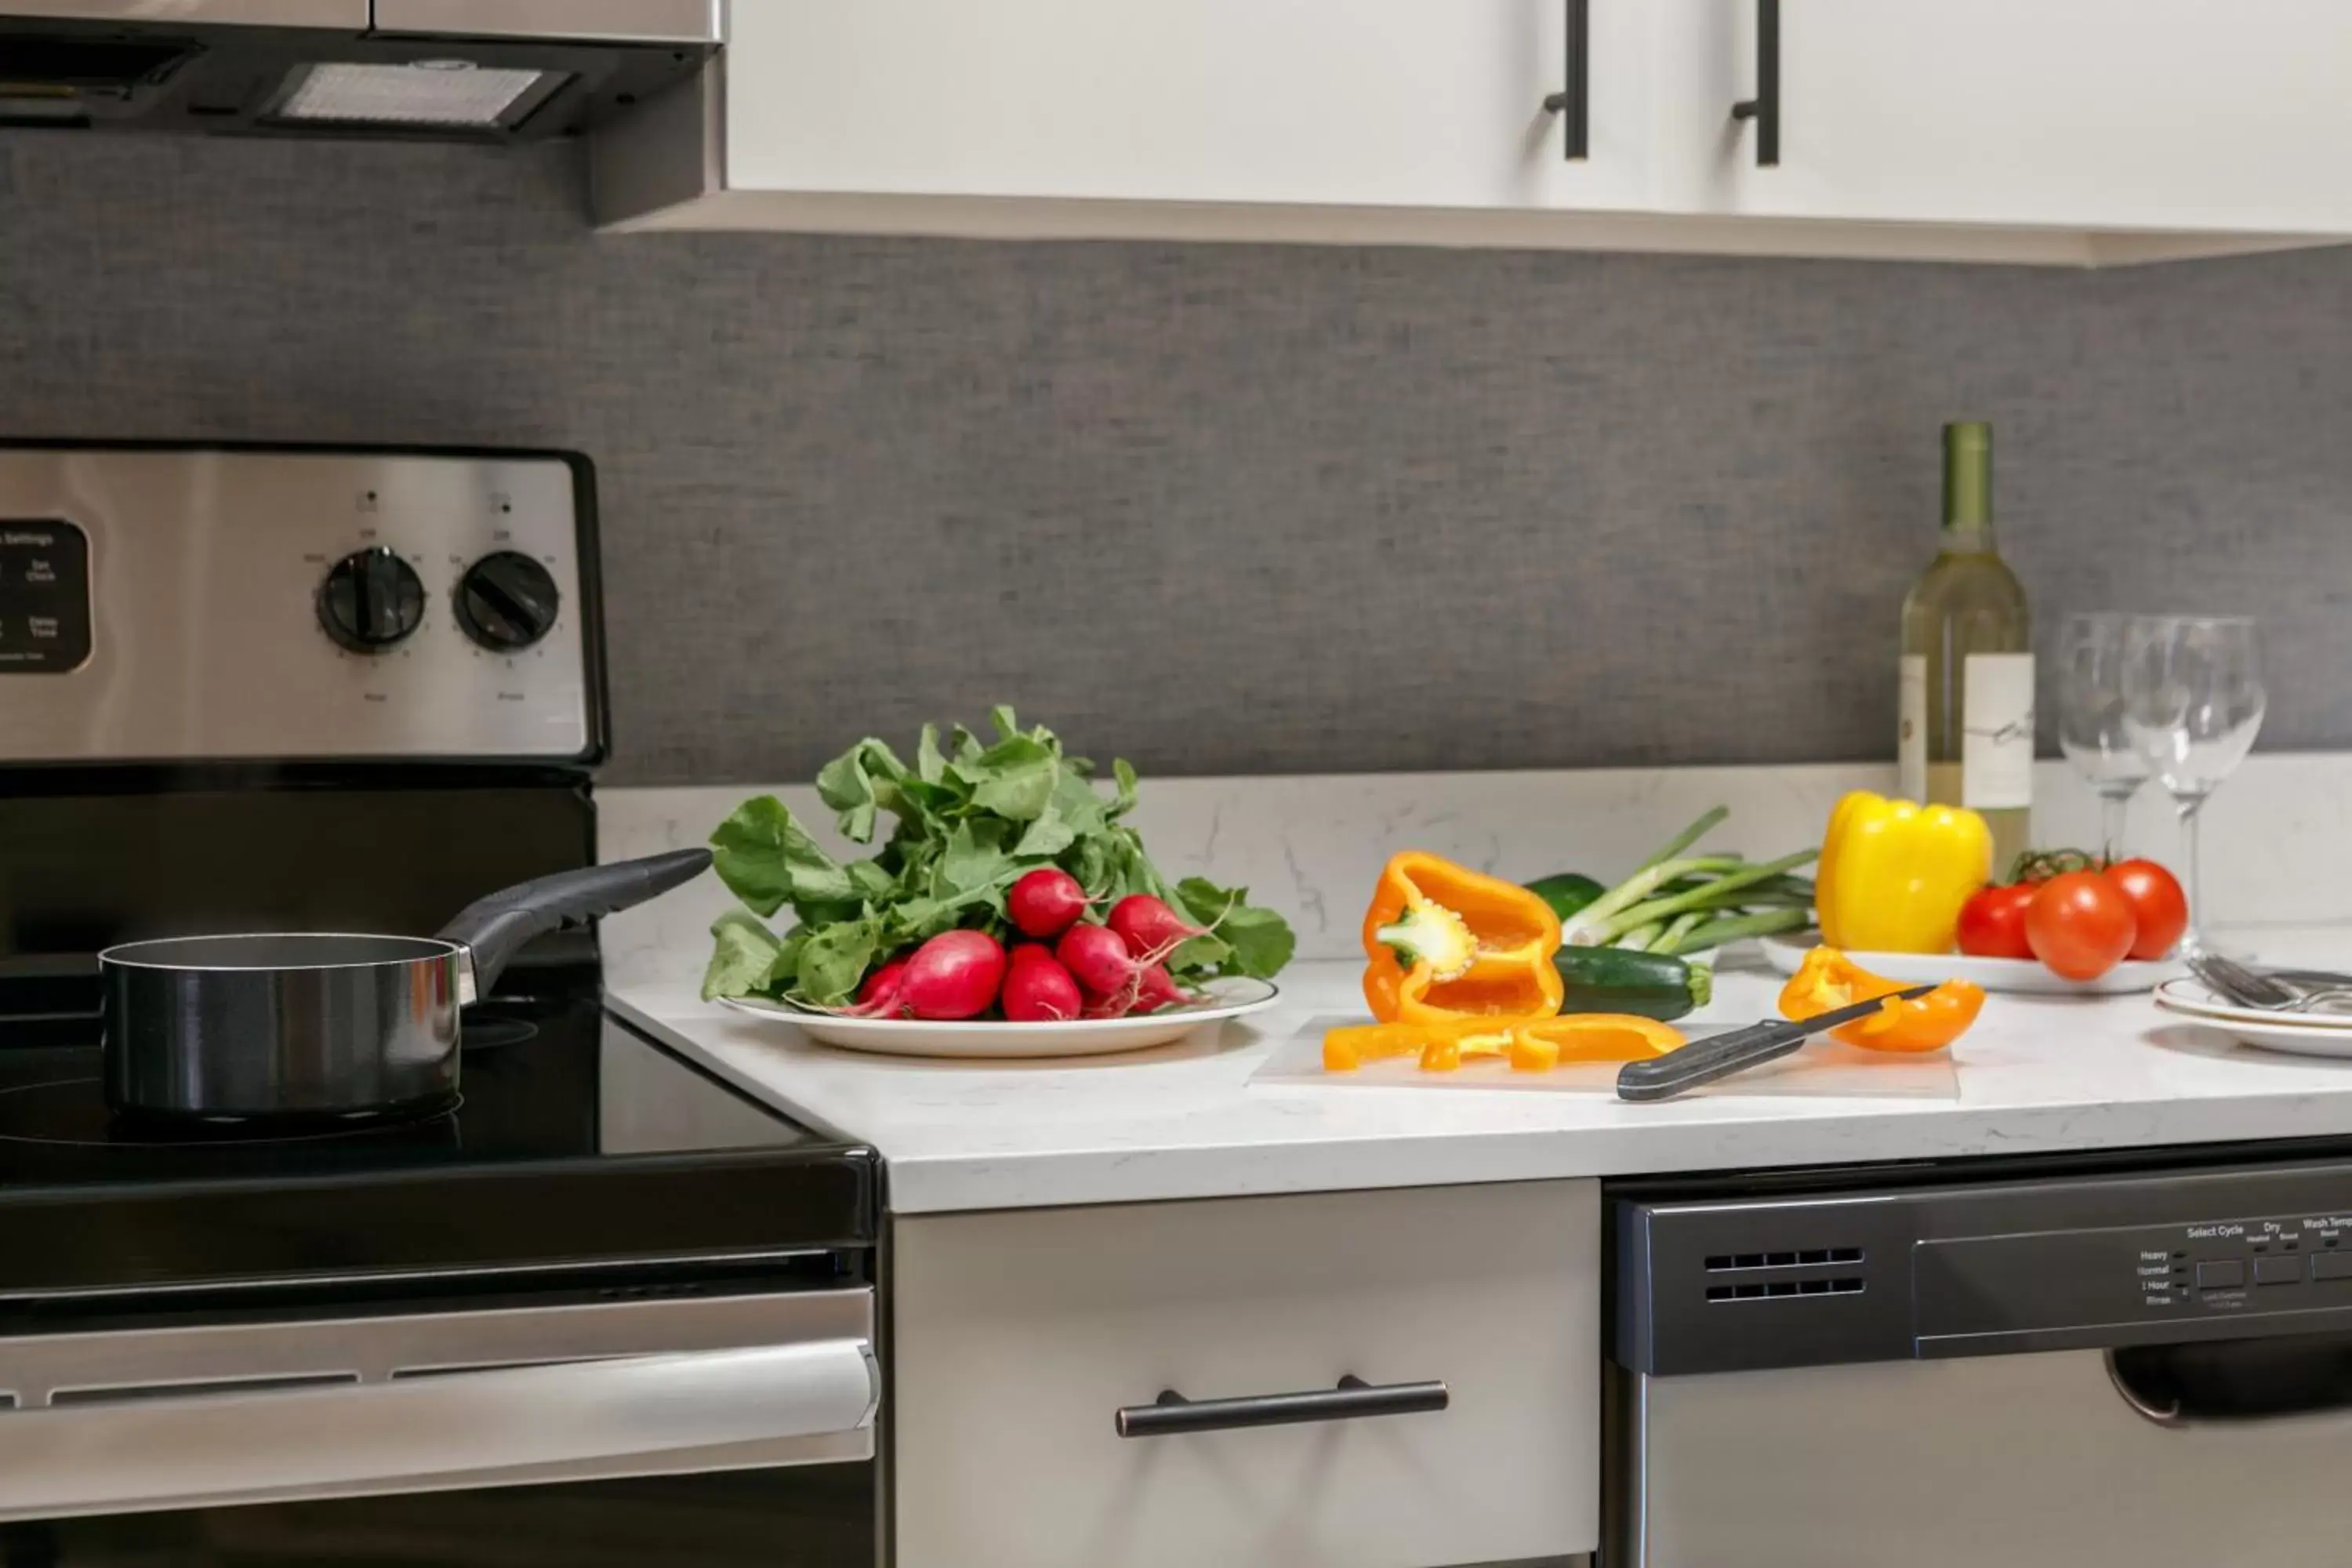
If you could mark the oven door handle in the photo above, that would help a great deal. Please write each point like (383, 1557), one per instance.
(426, 1433)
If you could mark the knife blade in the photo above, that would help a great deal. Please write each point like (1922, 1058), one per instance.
(1720, 1055)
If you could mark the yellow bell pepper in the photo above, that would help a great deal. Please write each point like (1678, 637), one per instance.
(1893, 874)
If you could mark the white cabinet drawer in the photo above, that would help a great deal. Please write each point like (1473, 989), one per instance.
(1019, 1335)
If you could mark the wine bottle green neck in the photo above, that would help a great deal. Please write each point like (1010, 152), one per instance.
(1968, 487)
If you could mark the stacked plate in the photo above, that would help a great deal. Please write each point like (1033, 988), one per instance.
(2322, 1032)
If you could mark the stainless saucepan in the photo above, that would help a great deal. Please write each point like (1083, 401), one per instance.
(331, 1026)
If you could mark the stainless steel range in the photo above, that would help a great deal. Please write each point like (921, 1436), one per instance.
(605, 1304)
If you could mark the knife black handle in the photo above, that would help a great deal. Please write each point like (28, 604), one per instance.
(1677, 1072)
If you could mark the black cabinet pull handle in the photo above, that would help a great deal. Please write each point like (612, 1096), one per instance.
(1764, 107)
(1352, 1400)
(1573, 101)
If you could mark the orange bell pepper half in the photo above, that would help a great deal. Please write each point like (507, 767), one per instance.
(1443, 942)
(1531, 1045)
(1829, 980)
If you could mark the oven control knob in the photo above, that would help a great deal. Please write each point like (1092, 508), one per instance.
(507, 602)
(370, 600)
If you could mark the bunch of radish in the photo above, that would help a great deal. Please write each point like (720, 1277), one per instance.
(1071, 967)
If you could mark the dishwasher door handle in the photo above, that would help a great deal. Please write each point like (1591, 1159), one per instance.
(160, 1451)
(2218, 1385)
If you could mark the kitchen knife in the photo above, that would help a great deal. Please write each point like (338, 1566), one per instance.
(1720, 1055)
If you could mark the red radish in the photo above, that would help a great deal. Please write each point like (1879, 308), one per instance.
(1045, 902)
(1038, 989)
(1114, 1006)
(1149, 926)
(956, 975)
(1099, 957)
(1155, 989)
(879, 997)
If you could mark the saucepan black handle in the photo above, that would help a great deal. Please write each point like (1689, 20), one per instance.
(496, 926)
(1704, 1062)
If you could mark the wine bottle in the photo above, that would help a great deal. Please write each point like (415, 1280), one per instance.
(1967, 712)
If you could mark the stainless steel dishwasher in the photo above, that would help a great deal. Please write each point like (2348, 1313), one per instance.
(2077, 1368)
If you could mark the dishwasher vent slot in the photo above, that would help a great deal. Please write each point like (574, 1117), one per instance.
(1810, 1257)
(1777, 1289)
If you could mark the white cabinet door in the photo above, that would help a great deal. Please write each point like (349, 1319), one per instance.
(1317, 103)
(1017, 1337)
(2155, 115)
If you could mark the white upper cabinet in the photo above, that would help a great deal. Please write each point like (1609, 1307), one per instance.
(2056, 131)
(1370, 104)
(2185, 116)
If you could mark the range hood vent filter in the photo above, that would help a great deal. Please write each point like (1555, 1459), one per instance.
(447, 94)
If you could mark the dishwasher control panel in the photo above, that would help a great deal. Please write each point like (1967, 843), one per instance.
(2219, 1265)
(2097, 1260)
(2076, 1280)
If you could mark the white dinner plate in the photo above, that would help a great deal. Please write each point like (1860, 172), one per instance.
(2021, 976)
(2305, 1034)
(1232, 997)
(2193, 999)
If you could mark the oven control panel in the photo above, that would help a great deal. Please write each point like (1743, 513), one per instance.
(44, 596)
(181, 605)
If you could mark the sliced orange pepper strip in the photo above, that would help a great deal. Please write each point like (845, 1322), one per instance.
(1601, 1036)
(1531, 1045)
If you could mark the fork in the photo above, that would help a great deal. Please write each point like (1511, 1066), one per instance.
(2270, 993)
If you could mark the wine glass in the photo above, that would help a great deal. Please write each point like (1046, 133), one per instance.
(2092, 730)
(2193, 700)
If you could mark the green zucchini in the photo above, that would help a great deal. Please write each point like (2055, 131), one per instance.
(1567, 892)
(1620, 980)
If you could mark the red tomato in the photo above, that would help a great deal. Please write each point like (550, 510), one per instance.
(2156, 902)
(2080, 925)
(1992, 923)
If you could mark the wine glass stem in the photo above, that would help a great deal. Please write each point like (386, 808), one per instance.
(2189, 806)
(2111, 825)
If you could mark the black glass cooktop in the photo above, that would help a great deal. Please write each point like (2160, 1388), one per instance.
(577, 1144)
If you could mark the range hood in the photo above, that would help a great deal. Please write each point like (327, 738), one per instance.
(470, 71)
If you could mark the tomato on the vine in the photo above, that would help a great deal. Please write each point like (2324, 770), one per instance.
(1992, 923)
(2158, 904)
(2080, 925)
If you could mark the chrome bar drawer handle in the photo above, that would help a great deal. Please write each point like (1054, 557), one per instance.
(1353, 1400)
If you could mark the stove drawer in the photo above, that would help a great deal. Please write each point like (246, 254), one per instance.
(1024, 1341)
(206, 1415)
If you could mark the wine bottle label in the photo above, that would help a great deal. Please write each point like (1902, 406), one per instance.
(1911, 737)
(1996, 725)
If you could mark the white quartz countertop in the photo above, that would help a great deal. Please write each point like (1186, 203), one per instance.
(1186, 1120)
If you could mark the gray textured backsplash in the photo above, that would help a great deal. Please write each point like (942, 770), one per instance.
(1217, 508)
